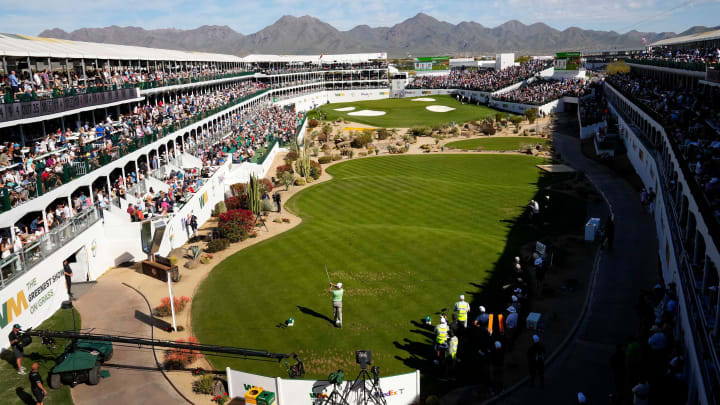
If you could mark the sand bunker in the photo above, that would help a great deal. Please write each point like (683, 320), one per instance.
(439, 108)
(345, 109)
(423, 99)
(368, 113)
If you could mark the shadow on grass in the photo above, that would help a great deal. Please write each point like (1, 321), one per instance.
(25, 397)
(563, 214)
(311, 312)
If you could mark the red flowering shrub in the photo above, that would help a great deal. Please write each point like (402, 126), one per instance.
(266, 185)
(282, 169)
(164, 308)
(239, 202)
(178, 359)
(238, 189)
(235, 225)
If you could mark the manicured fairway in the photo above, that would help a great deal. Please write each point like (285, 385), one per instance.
(14, 388)
(404, 234)
(497, 143)
(405, 113)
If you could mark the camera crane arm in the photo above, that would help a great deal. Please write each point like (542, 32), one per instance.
(139, 341)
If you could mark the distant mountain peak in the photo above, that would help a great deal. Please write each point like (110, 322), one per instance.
(421, 34)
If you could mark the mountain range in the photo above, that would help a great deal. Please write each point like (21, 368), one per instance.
(421, 35)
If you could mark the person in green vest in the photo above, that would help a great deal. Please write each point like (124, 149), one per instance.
(337, 294)
(461, 309)
(442, 334)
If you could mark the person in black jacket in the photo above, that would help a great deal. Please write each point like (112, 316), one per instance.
(36, 384)
(17, 348)
(277, 199)
(536, 361)
(609, 232)
(67, 271)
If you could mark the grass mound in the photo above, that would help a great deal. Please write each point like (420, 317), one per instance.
(404, 234)
(498, 143)
(405, 113)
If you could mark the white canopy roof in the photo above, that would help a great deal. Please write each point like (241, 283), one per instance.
(699, 37)
(36, 47)
(317, 59)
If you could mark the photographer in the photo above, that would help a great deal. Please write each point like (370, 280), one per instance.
(16, 344)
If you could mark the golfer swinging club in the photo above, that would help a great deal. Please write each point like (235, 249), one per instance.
(337, 294)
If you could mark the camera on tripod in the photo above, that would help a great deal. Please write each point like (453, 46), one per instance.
(363, 358)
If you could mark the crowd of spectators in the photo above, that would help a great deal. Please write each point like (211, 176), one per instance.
(46, 83)
(593, 107)
(488, 81)
(690, 118)
(276, 69)
(47, 163)
(542, 91)
(650, 367)
(693, 55)
(182, 184)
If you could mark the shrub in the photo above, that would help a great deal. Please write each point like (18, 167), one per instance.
(267, 205)
(287, 179)
(220, 208)
(282, 169)
(235, 224)
(178, 359)
(325, 159)
(204, 384)
(266, 185)
(531, 114)
(239, 202)
(164, 308)
(383, 134)
(362, 139)
(315, 170)
(300, 181)
(420, 131)
(205, 258)
(217, 245)
(313, 123)
(292, 155)
(238, 189)
(336, 157)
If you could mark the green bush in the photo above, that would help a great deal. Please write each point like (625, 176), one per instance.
(336, 157)
(325, 159)
(217, 245)
(315, 170)
(300, 181)
(383, 134)
(268, 205)
(220, 208)
(204, 385)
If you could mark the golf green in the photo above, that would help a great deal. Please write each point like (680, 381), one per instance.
(404, 234)
(406, 113)
(497, 143)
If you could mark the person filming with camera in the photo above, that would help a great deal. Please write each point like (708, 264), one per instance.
(17, 348)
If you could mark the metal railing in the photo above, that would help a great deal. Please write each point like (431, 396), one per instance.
(35, 252)
(694, 66)
(189, 80)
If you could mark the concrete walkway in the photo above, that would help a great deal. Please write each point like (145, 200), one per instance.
(611, 316)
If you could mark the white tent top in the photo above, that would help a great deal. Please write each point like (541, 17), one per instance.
(699, 37)
(36, 47)
(317, 59)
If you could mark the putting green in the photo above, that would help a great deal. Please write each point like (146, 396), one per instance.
(405, 113)
(497, 143)
(404, 234)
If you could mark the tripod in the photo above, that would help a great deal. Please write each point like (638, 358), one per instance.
(335, 397)
(261, 221)
(364, 395)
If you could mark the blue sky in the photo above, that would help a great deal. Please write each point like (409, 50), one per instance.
(31, 17)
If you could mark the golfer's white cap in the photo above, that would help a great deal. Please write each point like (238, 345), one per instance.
(536, 338)
(581, 398)
(498, 344)
(442, 320)
(481, 308)
(517, 258)
(339, 285)
(462, 297)
(517, 266)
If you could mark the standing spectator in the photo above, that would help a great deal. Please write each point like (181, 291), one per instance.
(67, 270)
(194, 225)
(14, 85)
(277, 199)
(511, 323)
(17, 348)
(641, 392)
(497, 368)
(36, 384)
(609, 234)
(536, 361)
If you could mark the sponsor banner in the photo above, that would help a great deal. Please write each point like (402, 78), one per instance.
(31, 299)
(400, 389)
